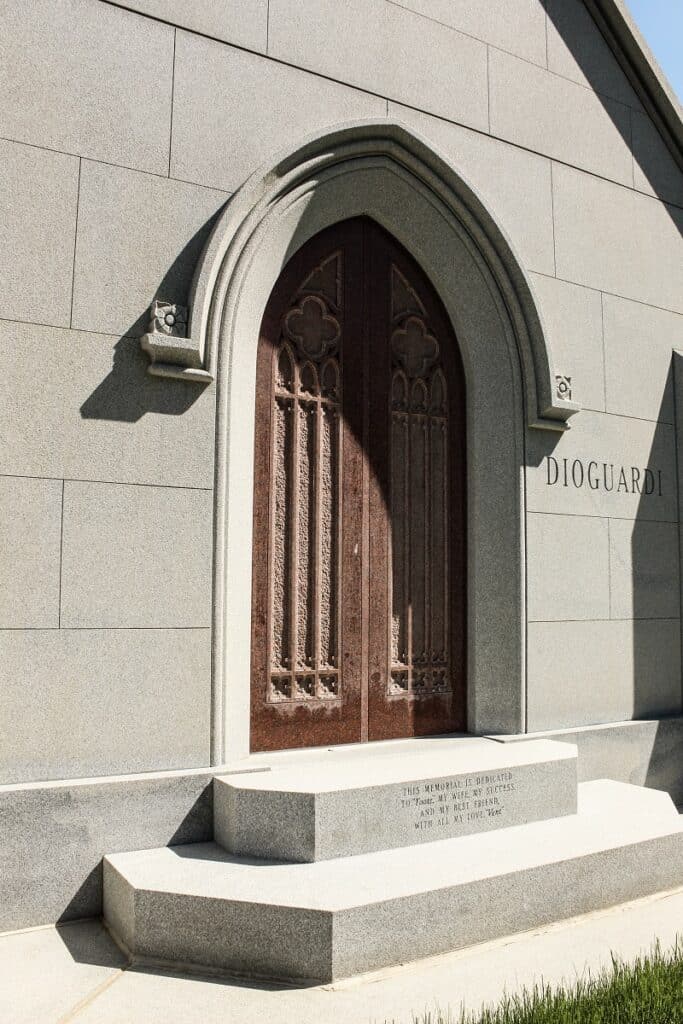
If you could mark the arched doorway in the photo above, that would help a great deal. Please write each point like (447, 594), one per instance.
(359, 556)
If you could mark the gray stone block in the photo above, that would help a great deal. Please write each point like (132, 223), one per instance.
(585, 673)
(554, 543)
(643, 753)
(644, 570)
(87, 78)
(548, 114)
(638, 358)
(386, 49)
(514, 184)
(53, 837)
(654, 169)
(139, 238)
(233, 110)
(136, 556)
(329, 920)
(243, 22)
(39, 196)
(518, 26)
(573, 321)
(82, 702)
(30, 524)
(318, 811)
(611, 466)
(617, 240)
(97, 414)
(578, 50)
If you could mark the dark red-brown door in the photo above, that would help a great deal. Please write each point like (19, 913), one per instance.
(358, 604)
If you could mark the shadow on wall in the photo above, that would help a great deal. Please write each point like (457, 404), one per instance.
(195, 826)
(128, 391)
(655, 576)
(640, 675)
(583, 39)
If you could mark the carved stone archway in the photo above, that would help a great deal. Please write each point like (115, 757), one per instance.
(382, 171)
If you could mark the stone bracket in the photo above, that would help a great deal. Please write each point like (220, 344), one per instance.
(171, 353)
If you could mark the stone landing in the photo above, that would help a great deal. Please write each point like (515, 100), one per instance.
(336, 807)
(331, 919)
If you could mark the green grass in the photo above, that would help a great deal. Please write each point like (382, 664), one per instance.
(649, 991)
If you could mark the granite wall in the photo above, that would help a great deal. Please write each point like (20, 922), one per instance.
(124, 128)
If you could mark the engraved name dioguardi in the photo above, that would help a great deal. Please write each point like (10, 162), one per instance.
(448, 802)
(603, 476)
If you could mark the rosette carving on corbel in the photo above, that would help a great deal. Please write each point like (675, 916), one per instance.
(172, 353)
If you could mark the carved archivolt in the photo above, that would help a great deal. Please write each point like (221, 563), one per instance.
(194, 356)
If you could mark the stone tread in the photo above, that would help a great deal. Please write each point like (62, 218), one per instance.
(454, 757)
(611, 816)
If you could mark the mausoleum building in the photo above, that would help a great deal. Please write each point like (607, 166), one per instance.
(340, 474)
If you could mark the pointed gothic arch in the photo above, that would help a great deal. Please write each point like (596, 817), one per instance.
(382, 171)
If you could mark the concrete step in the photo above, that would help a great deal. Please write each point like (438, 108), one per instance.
(325, 808)
(318, 922)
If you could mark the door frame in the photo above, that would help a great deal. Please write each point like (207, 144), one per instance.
(382, 171)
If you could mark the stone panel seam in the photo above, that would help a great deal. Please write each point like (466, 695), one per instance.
(377, 95)
(364, 92)
(635, 618)
(170, 133)
(63, 327)
(552, 217)
(106, 483)
(102, 629)
(267, 26)
(61, 559)
(73, 262)
(516, 56)
(615, 295)
(545, 21)
(417, 14)
(138, 170)
(609, 571)
(488, 85)
(592, 515)
(604, 350)
(631, 147)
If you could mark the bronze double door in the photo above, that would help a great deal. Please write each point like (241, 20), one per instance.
(358, 602)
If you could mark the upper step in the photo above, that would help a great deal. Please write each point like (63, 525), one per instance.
(327, 808)
(319, 922)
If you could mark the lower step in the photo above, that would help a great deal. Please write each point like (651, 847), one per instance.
(332, 919)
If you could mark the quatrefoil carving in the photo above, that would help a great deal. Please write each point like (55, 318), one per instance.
(311, 327)
(415, 348)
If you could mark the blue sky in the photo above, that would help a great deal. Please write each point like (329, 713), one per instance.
(661, 22)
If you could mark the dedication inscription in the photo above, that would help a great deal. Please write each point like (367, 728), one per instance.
(466, 800)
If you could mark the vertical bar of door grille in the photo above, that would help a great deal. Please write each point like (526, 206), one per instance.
(294, 536)
(281, 609)
(329, 516)
(439, 517)
(418, 513)
(305, 510)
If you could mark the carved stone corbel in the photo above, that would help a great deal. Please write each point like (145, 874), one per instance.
(171, 352)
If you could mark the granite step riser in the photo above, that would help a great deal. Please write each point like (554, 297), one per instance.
(301, 945)
(306, 827)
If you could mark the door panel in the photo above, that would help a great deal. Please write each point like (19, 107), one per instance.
(417, 505)
(358, 574)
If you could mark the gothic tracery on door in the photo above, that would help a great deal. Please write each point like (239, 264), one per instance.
(358, 604)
